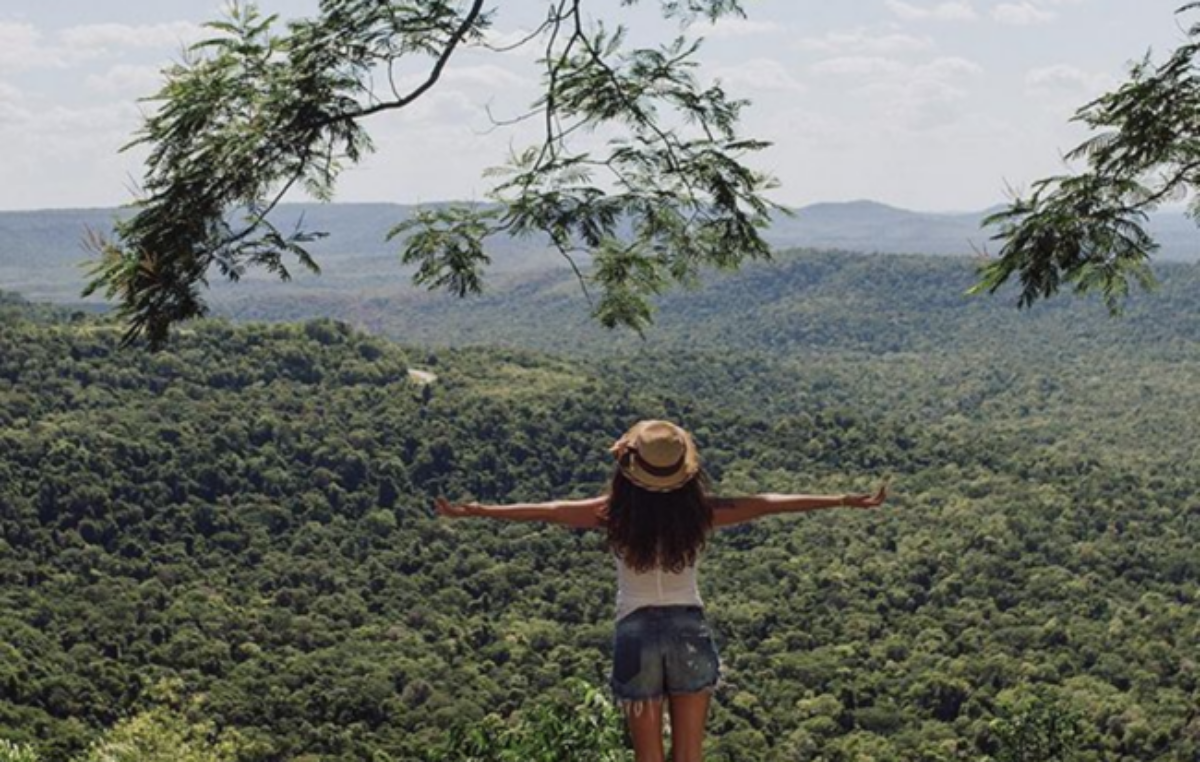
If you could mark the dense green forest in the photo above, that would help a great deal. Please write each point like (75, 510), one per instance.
(240, 528)
(803, 302)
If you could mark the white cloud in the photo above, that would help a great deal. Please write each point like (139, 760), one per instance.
(954, 10)
(106, 37)
(485, 76)
(126, 79)
(460, 97)
(62, 133)
(1022, 14)
(11, 108)
(441, 109)
(943, 68)
(859, 41)
(858, 66)
(930, 96)
(62, 156)
(759, 74)
(729, 27)
(905, 96)
(949, 67)
(83, 125)
(1060, 90)
(23, 47)
(1066, 77)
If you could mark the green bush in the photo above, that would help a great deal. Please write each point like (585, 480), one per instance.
(583, 727)
(12, 752)
(1037, 727)
(160, 735)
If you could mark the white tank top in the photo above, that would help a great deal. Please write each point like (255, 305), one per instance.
(656, 587)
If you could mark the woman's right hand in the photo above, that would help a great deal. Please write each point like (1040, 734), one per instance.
(866, 500)
(453, 510)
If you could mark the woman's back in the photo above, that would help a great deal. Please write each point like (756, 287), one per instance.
(655, 587)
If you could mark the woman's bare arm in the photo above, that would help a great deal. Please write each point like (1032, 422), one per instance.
(738, 510)
(578, 514)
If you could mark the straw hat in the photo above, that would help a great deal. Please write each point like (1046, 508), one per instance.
(657, 455)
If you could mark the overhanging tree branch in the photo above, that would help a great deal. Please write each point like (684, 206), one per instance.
(253, 113)
(435, 74)
(1088, 229)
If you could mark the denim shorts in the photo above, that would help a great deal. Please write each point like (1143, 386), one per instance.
(661, 651)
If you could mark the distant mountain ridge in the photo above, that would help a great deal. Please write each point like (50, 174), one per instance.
(41, 251)
(873, 227)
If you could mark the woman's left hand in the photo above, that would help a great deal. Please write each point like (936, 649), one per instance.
(867, 500)
(453, 510)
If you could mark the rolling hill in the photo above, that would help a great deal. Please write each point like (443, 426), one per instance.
(41, 251)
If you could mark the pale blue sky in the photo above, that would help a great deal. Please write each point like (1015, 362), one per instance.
(927, 104)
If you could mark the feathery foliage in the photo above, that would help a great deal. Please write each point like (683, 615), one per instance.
(1087, 229)
(253, 112)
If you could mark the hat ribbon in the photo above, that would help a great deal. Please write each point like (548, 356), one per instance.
(660, 471)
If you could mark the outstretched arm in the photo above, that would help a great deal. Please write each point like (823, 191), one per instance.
(578, 514)
(738, 510)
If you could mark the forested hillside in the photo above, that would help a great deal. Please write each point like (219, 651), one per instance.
(246, 518)
(805, 301)
(42, 252)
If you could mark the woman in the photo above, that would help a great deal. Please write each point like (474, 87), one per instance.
(657, 516)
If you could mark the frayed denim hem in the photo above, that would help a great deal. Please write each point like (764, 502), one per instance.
(631, 708)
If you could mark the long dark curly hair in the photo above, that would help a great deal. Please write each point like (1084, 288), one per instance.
(650, 529)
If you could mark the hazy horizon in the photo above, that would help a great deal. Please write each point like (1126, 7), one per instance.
(1167, 209)
(384, 202)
